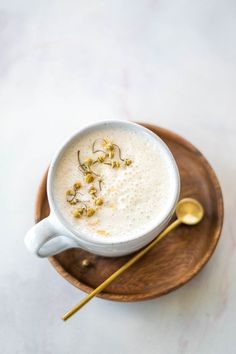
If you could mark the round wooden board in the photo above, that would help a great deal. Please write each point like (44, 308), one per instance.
(175, 260)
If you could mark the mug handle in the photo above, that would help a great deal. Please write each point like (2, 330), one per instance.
(43, 240)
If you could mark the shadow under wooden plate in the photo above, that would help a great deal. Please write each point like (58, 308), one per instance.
(175, 260)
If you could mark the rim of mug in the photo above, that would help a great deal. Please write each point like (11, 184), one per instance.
(103, 241)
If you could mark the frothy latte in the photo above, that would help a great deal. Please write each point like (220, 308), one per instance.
(134, 196)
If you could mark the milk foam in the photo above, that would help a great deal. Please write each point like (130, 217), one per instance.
(135, 196)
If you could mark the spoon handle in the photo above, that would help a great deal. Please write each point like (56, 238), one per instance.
(134, 259)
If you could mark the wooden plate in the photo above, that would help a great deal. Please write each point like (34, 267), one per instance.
(175, 260)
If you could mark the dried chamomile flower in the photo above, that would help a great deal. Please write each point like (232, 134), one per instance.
(101, 158)
(92, 190)
(115, 164)
(77, 185)
(73, 201)
(99, 201)
(111, 154)
(88, 161)
(108, 145)
(127, 162)
(106, 141)
(78, 212)
(89, 178)
(70, 192)
(90, 212)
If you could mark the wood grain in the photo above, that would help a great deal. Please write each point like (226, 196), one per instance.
(175, 260)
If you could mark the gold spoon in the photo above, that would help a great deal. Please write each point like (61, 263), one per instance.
(188, 211)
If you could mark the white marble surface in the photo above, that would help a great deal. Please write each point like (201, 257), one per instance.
(66, 63)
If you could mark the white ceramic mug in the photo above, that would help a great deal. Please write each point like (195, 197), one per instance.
(54, 234)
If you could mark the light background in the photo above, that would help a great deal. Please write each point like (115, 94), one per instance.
(64, 64)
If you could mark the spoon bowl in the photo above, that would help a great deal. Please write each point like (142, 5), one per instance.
(189, 211)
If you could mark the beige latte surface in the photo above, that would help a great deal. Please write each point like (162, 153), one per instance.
(135, 197)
